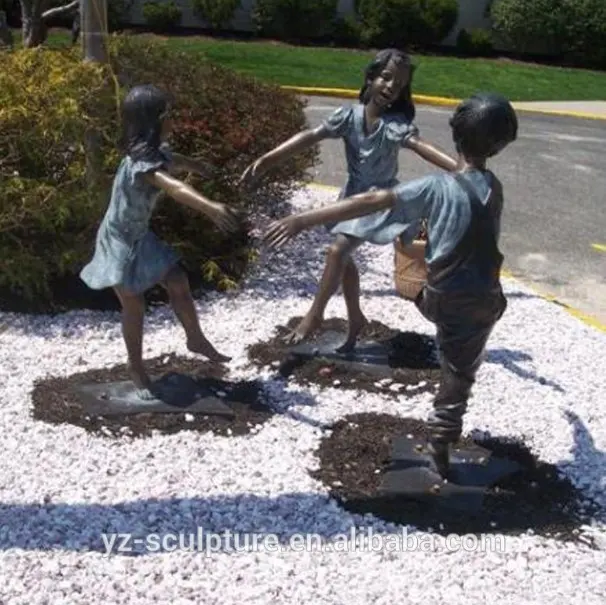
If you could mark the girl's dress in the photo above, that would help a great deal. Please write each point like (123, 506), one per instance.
(127, 253)
(372, 163)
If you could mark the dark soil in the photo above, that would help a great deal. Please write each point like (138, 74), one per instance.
(414, 360)
(360, 444)
(53, 402)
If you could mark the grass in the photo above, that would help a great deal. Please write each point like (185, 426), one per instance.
(440, 76)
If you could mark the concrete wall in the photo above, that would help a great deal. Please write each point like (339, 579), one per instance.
(471, 15)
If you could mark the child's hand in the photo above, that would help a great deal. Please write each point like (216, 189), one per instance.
(251, 174)
(281, 231)
(226, 218)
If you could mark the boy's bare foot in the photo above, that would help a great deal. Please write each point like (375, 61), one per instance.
(203, 347)
(306, 326)
(356, 325)
(142, 382)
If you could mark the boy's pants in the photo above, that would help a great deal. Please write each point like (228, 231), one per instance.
(464, 323)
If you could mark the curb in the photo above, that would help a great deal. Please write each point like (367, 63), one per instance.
(577, 313)
(347, 93)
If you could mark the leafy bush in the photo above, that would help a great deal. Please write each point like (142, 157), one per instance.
(475, 43)
(406, 23)
(440, 16)
(161, 15)
(117, 12)
(347, 31)
(295, 19)
(217, 13)
(569, 29)
(45, 212)
(587, 32)
(48, 220)
(531, 27)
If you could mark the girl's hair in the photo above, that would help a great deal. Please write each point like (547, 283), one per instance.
(143, 110)
(403, 104)
(483, 125)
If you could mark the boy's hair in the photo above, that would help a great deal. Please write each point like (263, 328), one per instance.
(403, 104)
(483, 125)
(143, 110)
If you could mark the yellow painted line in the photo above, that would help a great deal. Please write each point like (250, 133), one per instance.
(349, 93)
(584, 317)
(324, 92)
(563, 114)
(599, 247)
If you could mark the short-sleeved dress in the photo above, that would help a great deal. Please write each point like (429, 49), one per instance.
(372, 163)
(127, 254)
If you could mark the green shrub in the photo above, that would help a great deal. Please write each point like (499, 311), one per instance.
(531, 27)
(587, 32)
(217, 13)
(295, 19)
(161, 16)
(48, 220)
(475, 43)
(117, 11)
(573, 30)
(440, 17)
(347, 31)
(406, 23)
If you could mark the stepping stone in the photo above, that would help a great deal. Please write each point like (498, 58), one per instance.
(473, 471)
(174, 393)
(368, 356)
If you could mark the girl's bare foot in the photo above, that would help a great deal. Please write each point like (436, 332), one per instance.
(203, 347)
(356, 325)
(306, 326)
(141, 380)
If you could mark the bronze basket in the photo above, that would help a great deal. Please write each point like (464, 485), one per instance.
(410, 271)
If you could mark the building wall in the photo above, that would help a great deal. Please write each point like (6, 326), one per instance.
(471, 15)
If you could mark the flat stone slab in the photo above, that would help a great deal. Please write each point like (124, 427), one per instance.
(473, 471)
(367, 356)
(174, 393)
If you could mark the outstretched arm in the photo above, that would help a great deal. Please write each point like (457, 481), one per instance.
(296, 144)
(224, 217)
(186, 164)
(281, 231)
(431, 153)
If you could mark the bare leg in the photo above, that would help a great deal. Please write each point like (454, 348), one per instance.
(181, 300)
(133, 313)
(337, 255)
(351, 292)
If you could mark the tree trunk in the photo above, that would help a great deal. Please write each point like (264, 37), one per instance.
(33, 29)
(33, 18)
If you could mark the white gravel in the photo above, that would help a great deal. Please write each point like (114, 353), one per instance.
(541, 363)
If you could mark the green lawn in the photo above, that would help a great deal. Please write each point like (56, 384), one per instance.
(440, 76)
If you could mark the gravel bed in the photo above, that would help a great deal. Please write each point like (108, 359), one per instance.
(70, 488)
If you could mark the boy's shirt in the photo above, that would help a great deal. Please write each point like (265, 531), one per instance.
(448, 209)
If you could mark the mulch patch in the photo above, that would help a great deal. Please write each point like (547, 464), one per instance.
(53, 402)
(354, 457)
(414, 360)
